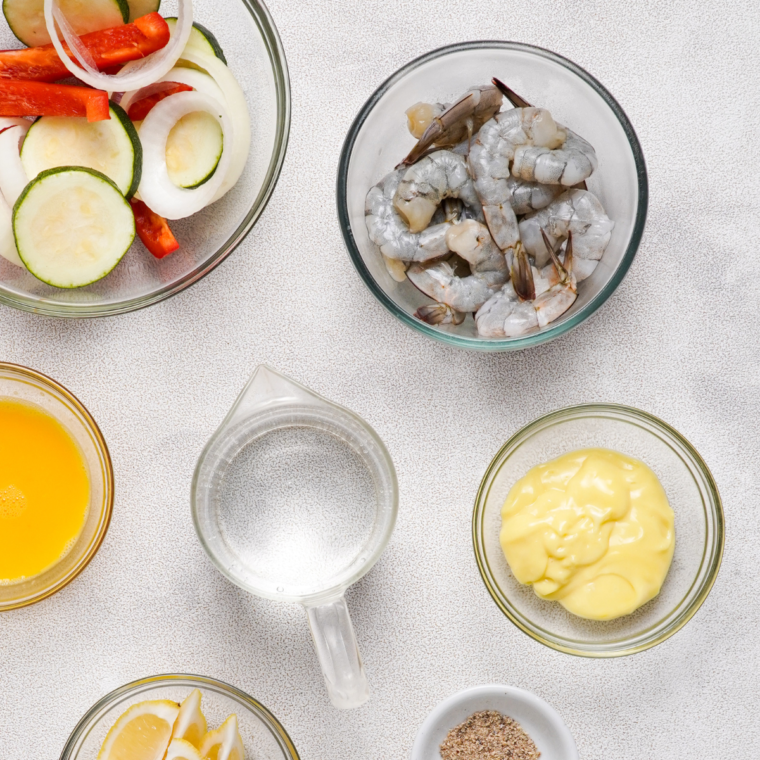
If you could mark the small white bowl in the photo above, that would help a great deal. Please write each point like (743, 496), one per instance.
(539, 720)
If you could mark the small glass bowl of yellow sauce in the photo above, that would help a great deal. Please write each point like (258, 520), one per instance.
(691, 492)
(56, 487)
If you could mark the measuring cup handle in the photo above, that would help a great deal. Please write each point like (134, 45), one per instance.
(338, 654)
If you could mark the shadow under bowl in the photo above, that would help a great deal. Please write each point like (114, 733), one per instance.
(691, 491)
(379, 139)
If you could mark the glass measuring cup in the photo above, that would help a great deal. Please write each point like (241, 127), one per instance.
(294, 499)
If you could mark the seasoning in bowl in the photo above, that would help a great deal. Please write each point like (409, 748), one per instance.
(488, 734)
(593, 530)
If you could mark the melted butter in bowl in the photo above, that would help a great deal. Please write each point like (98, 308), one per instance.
(593, 530)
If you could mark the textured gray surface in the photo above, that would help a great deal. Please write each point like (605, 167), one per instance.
(676, 340)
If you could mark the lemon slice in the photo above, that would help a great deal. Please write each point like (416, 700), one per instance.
(191, 723)
(224, 743)
(142, 732)
(179, 749)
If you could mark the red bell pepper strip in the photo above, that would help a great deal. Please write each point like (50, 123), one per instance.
(42, 99)
(153, 230)
(141, 108)
(108, 47)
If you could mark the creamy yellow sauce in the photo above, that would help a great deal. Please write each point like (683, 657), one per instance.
(592, 530)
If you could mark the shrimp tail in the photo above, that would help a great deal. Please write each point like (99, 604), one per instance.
(522, 275)
(439, 314)
(562, 271)
(458, 122)
(510, 94)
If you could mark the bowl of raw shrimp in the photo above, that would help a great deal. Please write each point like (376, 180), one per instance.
(492, 195)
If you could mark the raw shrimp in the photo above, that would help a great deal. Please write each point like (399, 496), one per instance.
(472, 241)
(576, 211)
(506, 315)
(459, 122)
(391, 233)
(421, 115)
(573, 142)
(491, 154)
(569, 165)
(425, 185)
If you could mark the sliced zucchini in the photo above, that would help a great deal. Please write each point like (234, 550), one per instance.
(111, 147)
(140, 8)
(193, 149)
(202, 40)
(72, 226)
(27, 20)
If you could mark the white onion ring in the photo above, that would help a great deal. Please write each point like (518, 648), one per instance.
(13, 177)
(237, 108)
(7, 240)
(6, 122)
(157, 190)
(130, 98)
(147, 70)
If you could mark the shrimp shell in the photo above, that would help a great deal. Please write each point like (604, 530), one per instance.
(576, 211)
(426, 184)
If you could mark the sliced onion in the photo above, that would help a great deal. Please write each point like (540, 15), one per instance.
(156, 188)
(130, 98)
(238, 111)
(7, 240)
(13, 177)
(6, 122)
(199, 81)
(141, 74)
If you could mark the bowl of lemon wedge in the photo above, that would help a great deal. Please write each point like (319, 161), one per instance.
(178, 717)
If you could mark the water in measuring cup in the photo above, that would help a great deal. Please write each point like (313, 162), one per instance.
(296, 506)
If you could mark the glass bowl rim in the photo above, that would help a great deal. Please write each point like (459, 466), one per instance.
(262, 18)
(89, 719)
(492, 344)
(108, 485)
(714, 507)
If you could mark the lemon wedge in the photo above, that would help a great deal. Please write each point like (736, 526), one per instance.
(191, 724)
(224, 743)
(179, 749)
(142, 732)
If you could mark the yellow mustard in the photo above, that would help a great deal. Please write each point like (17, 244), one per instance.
(592, 530)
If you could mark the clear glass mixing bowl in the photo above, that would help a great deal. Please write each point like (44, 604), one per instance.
(263, 736)
(254, 52)
(379, 139)
(30, 387)
(692, 494)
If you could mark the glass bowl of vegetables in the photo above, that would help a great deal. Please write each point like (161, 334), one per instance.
(231, 64)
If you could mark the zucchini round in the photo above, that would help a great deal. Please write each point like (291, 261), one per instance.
(194, 149)
(111, 147)
(27, 19)
(140, 8)
(72, 226)
(202, 40)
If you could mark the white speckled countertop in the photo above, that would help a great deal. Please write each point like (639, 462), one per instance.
(678, 339)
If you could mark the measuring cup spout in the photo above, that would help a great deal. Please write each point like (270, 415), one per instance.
(338, 654)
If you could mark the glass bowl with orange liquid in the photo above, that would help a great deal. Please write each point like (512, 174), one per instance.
(56, 487)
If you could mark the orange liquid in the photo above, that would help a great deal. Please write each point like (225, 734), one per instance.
(44, 491)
